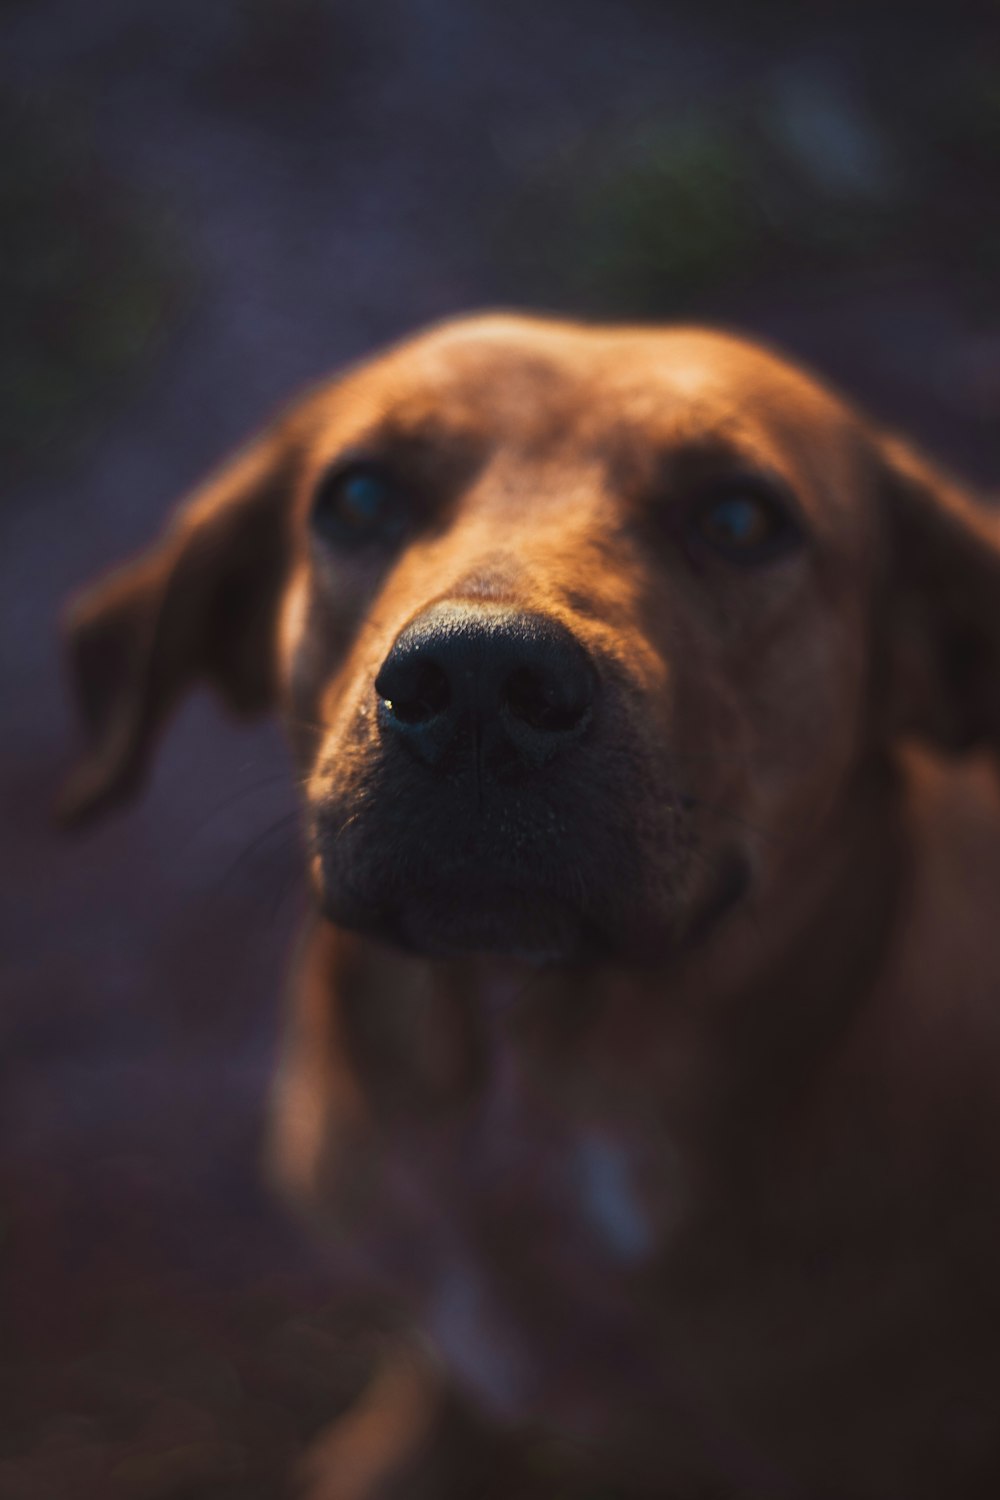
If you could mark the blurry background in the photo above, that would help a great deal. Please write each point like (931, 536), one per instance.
(202, 207)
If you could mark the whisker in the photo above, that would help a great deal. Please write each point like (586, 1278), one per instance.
(281, 825)
(309, 724)
(291, 886)
(478, 758)
(351, 818)
(246, 791)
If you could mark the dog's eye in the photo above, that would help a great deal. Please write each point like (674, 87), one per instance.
(744, 523)
(359, 505)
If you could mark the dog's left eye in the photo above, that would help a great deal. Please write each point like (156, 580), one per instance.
(358, 505)
(744, 524)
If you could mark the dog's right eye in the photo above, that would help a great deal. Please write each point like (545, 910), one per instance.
(744, 522)
(359, 505)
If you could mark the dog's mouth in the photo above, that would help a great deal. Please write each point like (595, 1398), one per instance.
(451, 913)
(455, 907)
(449, 921)
(500, 800)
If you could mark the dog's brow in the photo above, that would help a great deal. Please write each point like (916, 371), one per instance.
(719, 452)
(641, 463)
(410, 438)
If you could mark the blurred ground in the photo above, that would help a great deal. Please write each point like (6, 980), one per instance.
(203, 208)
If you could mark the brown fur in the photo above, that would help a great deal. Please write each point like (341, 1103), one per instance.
(699, 1183)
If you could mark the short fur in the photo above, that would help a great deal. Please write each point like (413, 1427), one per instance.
(661, 1089)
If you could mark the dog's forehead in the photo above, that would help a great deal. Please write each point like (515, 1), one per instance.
(650, 370)
(515, 378)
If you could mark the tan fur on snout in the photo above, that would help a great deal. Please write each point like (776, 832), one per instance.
(646, 1059)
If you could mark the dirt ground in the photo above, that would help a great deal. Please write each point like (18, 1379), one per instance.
(332, 175)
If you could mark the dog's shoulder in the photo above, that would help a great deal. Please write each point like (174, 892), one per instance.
(953, 825)
(936, 1022)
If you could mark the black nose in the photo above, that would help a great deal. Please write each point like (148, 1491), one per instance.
(465, 682)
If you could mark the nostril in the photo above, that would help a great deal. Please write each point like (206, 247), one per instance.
(415, 696)
(542, 703)
(514, 688)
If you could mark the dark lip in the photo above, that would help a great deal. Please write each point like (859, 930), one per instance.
(457, 910)
(568, 939)
(733, 883)
(457, 915)
(512, 947)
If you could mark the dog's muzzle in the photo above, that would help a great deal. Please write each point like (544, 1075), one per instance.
(483, 815)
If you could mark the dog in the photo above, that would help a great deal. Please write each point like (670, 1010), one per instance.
(644, 1050)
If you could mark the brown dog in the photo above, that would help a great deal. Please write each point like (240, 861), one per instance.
(650, 1052)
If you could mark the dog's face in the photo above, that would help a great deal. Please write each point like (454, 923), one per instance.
(576, 630)
(605, 599)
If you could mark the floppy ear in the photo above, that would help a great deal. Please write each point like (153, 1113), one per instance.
(942, 597)
(200, 606)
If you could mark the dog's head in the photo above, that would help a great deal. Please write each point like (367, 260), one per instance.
(575, 630)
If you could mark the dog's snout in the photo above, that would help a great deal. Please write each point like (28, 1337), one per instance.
(462, 680)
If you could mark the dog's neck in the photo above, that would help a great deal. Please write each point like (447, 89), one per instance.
(740, 1025)
(778, 997)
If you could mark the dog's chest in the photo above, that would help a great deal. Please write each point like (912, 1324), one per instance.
(527, 1230)
(561, 1261)
(558, 1269)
